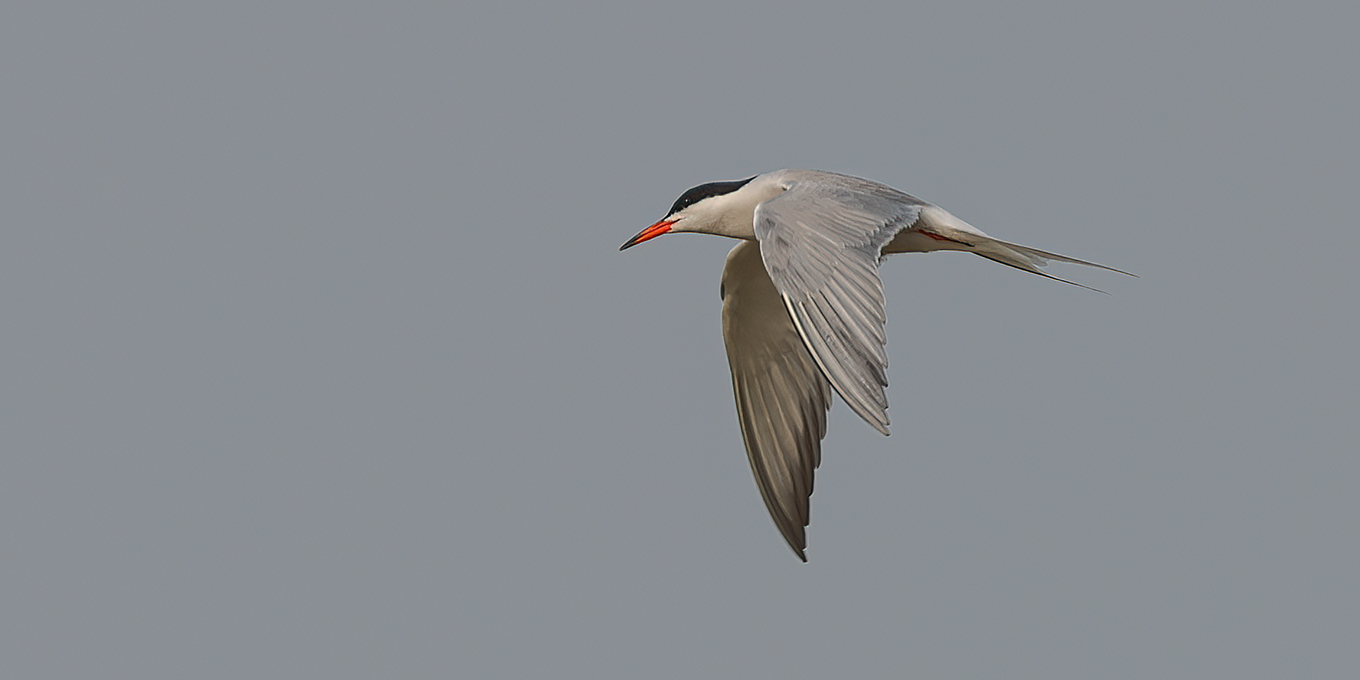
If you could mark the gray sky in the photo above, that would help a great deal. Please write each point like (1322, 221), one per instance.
(319, 360)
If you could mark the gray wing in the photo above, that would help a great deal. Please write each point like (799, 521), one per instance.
(821, 241)
(782, 397)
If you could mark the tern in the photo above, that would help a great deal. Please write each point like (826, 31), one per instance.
(803, 311)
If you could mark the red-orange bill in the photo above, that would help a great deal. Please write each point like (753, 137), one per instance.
(648, 234)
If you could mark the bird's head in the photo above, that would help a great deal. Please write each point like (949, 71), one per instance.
(713, 208)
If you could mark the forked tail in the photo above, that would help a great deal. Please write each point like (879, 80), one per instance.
(947, 232)
(1031, 259)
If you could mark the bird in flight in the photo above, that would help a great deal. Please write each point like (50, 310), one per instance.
(803, 311)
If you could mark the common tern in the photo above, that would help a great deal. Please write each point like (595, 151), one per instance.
(803, 309)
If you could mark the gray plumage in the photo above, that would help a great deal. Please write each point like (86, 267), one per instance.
(803, 307)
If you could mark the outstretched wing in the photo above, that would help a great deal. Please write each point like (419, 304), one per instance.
(821, 241)
(782, 397)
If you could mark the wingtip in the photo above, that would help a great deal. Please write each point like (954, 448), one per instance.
(876, 419)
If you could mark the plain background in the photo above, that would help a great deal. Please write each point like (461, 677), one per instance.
(318, 358)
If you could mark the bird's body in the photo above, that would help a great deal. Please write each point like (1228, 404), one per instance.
(803, 307)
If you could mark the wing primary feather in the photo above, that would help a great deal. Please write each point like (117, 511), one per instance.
(869, 335)
(760, 464)
(781, 394)
(865, 406)
(784, 429)
(778, 468)
(851, 360)
(851, 289)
